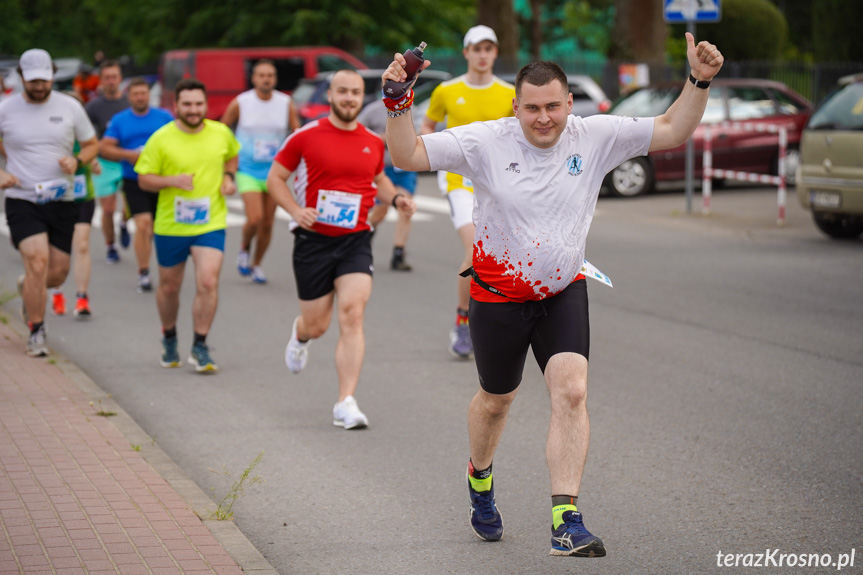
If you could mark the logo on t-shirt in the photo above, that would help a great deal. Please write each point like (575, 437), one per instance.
(367, 150)
(460, 100)
(574, 165)
(513, 167)
(55, 119)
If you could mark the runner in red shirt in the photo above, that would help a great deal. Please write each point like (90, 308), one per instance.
(337, 166)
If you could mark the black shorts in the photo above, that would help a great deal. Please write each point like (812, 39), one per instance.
(86, 209)
(320, 259)
(57, 219)
(137, 200)
(502, 332)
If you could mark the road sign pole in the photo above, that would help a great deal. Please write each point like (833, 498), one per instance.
(690, 144)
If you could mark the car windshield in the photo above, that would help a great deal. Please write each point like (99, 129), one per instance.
(303, 92)
(645, 102)
(842, 110)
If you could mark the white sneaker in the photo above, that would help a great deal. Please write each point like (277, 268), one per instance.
(36, 344)
(296, 353)
(258, 275)
(348, 415)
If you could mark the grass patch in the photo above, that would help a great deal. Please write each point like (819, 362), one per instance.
(224, 511)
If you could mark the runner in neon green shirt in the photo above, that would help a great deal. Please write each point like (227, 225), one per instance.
(192, 164)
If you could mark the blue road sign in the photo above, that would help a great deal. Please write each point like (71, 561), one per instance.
(680, 11)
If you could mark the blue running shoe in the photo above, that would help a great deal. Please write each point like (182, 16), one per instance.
(572, 538)
(125, 238)
(485, 519)
(200, 358)
(244, 263)
(170, 357)
(112, 257)
(258, 275)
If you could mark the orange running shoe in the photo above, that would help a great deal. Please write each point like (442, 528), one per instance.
(82, 308)
(58, 303)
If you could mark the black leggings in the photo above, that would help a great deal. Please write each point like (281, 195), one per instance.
(502, 332)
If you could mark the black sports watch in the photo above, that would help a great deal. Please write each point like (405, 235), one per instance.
(703, 84)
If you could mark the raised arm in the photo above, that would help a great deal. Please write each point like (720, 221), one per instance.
(407, 150)
(677, 124)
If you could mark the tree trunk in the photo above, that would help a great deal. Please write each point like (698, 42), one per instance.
(639, 31)
(536, 39)
(499, 15)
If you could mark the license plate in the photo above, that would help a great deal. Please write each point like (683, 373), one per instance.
(825, 199)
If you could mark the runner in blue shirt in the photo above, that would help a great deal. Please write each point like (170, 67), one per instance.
(123, 141)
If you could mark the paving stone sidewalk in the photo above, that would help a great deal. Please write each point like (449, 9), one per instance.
(76, 496)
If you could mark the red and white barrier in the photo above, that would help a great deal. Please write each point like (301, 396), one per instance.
(709, 172)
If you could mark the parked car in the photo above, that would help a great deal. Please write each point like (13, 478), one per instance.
(311, 95)
(830, 174)
(747, 101)
(587, 97)
(227, 71)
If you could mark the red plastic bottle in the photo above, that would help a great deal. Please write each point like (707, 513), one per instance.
(415, 59)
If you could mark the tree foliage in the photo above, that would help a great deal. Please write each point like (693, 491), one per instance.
(835, 30)
(145, 28)
(749, 30)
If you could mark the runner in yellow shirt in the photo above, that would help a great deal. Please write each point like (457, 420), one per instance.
(476, 96)
(192, 164)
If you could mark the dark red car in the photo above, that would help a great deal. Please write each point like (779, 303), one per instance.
(747, 101)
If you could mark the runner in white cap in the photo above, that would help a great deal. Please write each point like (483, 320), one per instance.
(475, 96)
(38, 129)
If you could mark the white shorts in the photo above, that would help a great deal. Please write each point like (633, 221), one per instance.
(460, 202)
(460, 207)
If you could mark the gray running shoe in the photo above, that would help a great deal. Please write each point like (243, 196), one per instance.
(144, 283)
(460, 345)
(36, 344)
(170, 357)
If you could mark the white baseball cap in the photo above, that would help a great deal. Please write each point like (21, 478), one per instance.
(36, 64)
(478, 34)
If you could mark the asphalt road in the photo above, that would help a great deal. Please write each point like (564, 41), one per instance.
(726, 400)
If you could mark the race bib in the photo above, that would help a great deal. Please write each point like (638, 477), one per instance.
(338, 208)
(80, 191)
(51, 190)
(192, 211)
(265, 150)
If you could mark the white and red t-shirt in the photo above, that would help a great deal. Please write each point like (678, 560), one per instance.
(533, 206)
(334, 172)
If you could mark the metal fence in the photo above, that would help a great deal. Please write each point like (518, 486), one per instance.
(813, 81)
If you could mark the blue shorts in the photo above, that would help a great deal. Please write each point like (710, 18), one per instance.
(402, 179)
(174, 250)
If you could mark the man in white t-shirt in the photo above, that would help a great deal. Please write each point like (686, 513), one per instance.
(536, 180)
(38, 129)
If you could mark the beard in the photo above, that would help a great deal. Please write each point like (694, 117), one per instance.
(37, 95)
(189, 124)
(346, 116)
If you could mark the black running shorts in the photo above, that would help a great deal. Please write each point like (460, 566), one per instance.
(502, 332)
(137, 200)
(320, 259)
(86, 209)
(57, 219)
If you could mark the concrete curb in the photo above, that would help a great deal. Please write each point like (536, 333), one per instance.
(226, 533)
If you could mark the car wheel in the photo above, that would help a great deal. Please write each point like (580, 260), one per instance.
(631, 178)
(838, 226)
